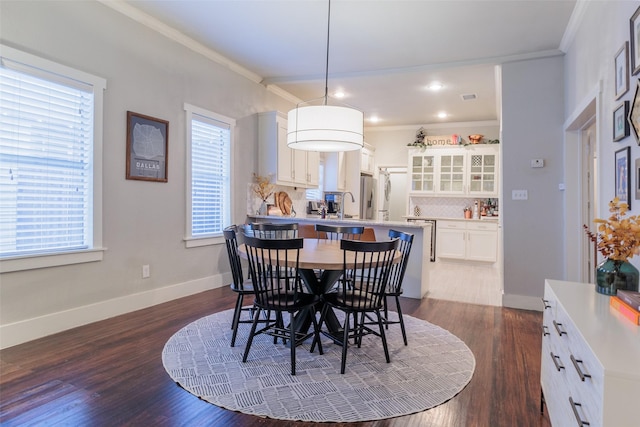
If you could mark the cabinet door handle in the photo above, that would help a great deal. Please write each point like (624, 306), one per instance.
(545, 331)
(575, 365)
(546, 304)
(557, 326)
(556, 360)
(574, 406)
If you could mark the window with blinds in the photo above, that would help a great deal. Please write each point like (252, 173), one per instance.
(210, 137)
(46, 162)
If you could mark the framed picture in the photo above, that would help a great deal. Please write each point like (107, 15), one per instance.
(634, 114)
(623, 173)
(638, 178)
(635, 42)
(620, 123)
(147, 144)
(622, 70)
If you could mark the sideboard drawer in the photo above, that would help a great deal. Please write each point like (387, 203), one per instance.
(590, 369)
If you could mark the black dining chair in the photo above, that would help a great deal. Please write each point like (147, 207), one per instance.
(338, 232)
(266, 230)
(396, 276)
(273, 265)
(367, 276)
(241, 286)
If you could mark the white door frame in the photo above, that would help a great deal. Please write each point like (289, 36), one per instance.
(585, 115)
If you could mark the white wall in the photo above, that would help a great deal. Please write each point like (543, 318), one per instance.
(589, 73)
(144, 222)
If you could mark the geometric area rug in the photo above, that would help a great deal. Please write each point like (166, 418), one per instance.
(433, 368)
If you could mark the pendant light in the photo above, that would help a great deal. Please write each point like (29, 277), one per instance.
(325, 127)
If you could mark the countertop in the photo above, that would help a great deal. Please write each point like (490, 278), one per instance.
(482, 219)
(347, 221)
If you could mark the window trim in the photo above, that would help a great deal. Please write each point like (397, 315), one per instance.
(216, 238)
(53, 71)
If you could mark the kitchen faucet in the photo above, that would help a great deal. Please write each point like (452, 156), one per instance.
(353, 200)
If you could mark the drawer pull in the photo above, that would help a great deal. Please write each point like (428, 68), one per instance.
(579, 419)
(556, 360)
(546, 304)
(557, 326)
(545, 331)
(575, 365)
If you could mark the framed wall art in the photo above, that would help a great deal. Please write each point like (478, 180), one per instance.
(620, 123)
(147, 144)
(635, 42)
(634, 114)
(621, 62)
(623, 175)
(638, 178)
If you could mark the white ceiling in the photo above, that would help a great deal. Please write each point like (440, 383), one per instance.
(382, 52)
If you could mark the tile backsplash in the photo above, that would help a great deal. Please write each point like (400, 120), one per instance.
(298, 198)
(442, 207)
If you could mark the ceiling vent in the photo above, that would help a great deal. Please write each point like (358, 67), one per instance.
(468, 97)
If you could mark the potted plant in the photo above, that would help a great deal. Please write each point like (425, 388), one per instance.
(618, 240)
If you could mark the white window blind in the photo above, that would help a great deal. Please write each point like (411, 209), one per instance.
(46, 164)
(316, 193)
(210, 175)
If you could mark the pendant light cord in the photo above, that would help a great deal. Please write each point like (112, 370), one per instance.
(326, 74)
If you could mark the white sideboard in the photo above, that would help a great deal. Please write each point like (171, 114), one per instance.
(590, 367)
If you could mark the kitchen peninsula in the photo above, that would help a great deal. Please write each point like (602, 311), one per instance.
(416, 276)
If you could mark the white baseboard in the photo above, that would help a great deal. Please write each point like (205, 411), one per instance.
(522, 302)
(30, 329)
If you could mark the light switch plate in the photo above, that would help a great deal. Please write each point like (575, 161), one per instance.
(519, 195)
(537, 163)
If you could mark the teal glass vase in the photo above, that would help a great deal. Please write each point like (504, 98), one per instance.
(612, 275)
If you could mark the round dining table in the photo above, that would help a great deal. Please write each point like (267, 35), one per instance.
(320, 266)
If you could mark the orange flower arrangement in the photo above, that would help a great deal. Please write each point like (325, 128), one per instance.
(618, 238)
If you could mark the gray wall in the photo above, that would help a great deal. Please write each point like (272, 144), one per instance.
(144, 222)
(532, 117)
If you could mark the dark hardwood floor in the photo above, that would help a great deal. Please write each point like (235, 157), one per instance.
(110, 373)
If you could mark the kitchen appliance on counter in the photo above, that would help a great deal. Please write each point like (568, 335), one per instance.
(333, 201)
(367, 196)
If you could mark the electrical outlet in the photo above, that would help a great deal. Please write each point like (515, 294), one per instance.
(146, 271)
(519, 195)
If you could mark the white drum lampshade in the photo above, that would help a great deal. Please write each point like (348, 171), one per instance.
(325, 128)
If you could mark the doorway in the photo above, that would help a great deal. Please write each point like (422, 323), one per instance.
(589, 197)
(396, 189)
(581, 186)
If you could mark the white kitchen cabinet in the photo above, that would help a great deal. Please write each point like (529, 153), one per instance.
(289, 167)
(589, 370)
(470, 171)
(338, 168)
(469, 240)
(367, 159)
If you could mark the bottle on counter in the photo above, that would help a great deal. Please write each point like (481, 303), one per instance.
(476, 210)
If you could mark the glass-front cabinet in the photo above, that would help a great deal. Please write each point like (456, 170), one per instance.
(422, 172)
(452, 173)
(482, 173)
(455, 171)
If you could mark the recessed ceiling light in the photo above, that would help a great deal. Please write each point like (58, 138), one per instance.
(469, 96)
(374, 119)
(339, 94)
(442, 115)
(435, 86)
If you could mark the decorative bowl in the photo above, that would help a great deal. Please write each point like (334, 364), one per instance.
(475, 138)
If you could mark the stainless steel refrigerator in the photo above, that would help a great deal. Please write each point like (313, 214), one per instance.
(367, 197)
